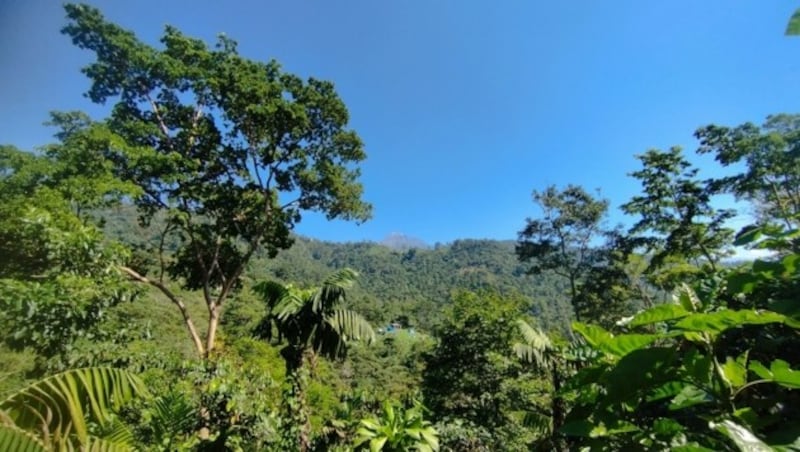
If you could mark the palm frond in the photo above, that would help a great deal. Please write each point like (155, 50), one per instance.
(172, 415)
(536, 346)
(351, 325)
(106, 445)
(333, 289)
(14, 439)
(58, 406)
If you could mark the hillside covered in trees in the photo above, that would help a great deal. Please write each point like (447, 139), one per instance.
(155, 295)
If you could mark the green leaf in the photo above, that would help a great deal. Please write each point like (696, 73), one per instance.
(68, 399)
(735, 371)
(667, 390)
(784, 375)
(625, 343)
(741, 436)
(717, 322)
(689, 396)
(687, 298)
(15, 439)
(747, 235)
(376, 444)
(660, 313)
(793, 27)
(760, 370)
(593, 334)
(667, 427)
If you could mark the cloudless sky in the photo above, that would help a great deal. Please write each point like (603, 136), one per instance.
(465, 106)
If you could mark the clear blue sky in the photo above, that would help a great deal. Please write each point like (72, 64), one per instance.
(465, 106)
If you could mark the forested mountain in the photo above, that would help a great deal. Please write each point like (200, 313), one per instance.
(414, 283)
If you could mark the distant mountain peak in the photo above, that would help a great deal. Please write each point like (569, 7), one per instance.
(400, 241)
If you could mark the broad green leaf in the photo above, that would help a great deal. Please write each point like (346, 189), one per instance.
(734, 371)
(660, 313)
(625, 343)
(638, 371)
(717, 322)
(698, 366)
(376, 444)
(667, 390)
(785, 375)
(741, 436)
(667, 427)
(760, 370)
(593, 334)
(689, 396)
(779, 372)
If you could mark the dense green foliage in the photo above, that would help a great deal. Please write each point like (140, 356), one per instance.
(182, 193)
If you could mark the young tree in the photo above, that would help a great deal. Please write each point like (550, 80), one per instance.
(561, 239)
(311, 323)
(228, 150)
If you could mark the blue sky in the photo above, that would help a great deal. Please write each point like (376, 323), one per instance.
(465, 106)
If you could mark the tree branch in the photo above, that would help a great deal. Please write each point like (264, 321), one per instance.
(175, 300)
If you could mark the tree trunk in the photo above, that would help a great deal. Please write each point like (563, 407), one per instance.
(559, 414)
(297, 374)
(213, 323)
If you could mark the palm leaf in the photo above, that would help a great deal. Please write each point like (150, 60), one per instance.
(351, 325)
(333, 289)
(536, 346)
(58, 406)
(14, 439)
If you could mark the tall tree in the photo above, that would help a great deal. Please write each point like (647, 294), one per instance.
(771, 160)
(677, 220)
(310, 322)
(561, 239)
(230, 151)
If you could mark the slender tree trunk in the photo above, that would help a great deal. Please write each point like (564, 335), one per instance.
(297, 374)
(559, 413)
(213, 323)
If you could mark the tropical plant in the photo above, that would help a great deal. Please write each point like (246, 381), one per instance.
(310, 323)
(398, 430)
(64, 411)
(547, 357)
(688, 374)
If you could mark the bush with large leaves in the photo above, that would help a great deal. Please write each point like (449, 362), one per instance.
(693, 374)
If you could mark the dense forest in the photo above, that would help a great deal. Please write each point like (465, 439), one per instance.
(155, 296)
